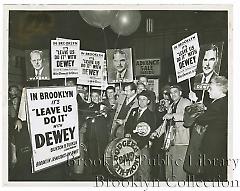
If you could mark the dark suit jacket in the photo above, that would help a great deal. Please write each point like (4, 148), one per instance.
(45, 75)
(214, 143)
(148, 117)
(112, 76)
(199, 93)
(117, 131)
(199, 77)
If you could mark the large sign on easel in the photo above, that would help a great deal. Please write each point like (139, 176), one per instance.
(65, 58)
(53, 125)
(185, 54)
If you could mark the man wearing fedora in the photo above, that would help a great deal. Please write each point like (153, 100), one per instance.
(139, 126)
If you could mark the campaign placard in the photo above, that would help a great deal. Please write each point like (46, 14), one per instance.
(185, 54)
(53, 125)
(91, 68)
(209, 63)
(148, 67)
(104, 77)
(119, 65)
(37, 65)
(65, 58)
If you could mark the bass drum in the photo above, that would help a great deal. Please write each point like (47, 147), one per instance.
(123, 157)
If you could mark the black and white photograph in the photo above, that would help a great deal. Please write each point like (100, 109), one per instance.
(119, 65)
(37, 65)
(208, 65)
(144, 98)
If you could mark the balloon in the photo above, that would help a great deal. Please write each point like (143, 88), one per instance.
(98, 18)
(126, 22)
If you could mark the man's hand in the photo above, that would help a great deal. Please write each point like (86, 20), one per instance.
(168, 116)
(153, 135)
(158, 132)
(120, 121)
(192, 96)
(18, 125)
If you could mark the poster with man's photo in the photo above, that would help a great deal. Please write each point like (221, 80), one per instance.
(37, 65)
(119, 65)
(209, 64)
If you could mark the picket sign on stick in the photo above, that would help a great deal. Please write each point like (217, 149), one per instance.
(89, 93)
(37, 82)
(190, 88)
(185, 54)
(65, 81)
(101, 95)
(203, 96)
(120, 86)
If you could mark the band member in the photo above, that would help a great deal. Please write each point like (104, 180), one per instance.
(214, 143)
(157, 153)
(111, 103)
(139, 125)
(96, 135)
(179, 135)
(126, 102)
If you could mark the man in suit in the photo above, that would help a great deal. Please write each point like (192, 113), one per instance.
(125, 103)
(139, 125)
(38, 70)
(209, 61)
(120, 63)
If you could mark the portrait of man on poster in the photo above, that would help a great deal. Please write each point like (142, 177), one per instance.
(208, 65)
(119, 65)
(38, 67)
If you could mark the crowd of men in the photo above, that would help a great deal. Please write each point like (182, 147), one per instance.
(164, 141)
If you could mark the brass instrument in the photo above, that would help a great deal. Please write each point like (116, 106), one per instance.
(169, 134)
(169, 128)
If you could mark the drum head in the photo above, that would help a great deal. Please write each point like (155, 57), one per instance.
(142, 129)
(123, 157)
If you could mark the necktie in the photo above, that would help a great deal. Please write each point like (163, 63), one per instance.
(38, 74)
(139, 113)
(204, 80)
(118, 76)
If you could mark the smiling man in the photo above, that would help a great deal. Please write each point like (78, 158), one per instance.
(119, 65)
(209, 62)
(39, 69)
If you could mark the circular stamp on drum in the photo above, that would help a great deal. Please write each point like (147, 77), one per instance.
(123, 157)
